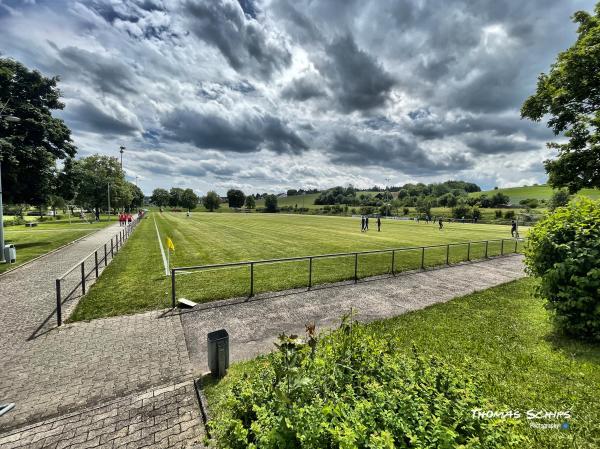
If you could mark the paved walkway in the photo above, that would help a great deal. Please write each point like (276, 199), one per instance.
(115, 382)
(254, 325)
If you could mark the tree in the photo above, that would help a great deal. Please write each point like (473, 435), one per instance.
(137, 199)
(250, 203)
(189, 199)
(271, 203)
(160, 197)
(30, 148)
(235, 198)
(569, 94)
(94, 174)
(175, 196)
(499, 199)
(563, 252)
(559, 198)
(56, 202)
(211, 201)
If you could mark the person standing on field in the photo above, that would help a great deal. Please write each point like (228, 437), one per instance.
(367, 223)
(513, 229)
(441, 223)
(362, 223)
(378, 224)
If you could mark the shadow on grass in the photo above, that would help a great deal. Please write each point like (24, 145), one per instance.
(576, 349)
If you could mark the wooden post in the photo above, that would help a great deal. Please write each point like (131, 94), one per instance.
(393, 263)
(310, 272)
(83, 278)
(423, 258)
(58, 304)
(96, 262)
(355, 268)
(251, 279)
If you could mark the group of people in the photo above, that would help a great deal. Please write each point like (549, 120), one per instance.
(364, 223)
(125, 218)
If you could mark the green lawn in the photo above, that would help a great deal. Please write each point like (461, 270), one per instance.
(45, 237)
(502, 336)
(542, 192)
(135, 281)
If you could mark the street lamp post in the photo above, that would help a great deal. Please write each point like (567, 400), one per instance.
(121, 150)
(7, 118)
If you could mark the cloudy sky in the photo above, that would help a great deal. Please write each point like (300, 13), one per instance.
(274, 94)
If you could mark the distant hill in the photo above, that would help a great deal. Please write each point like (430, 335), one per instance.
(541, 192)
(309, 200)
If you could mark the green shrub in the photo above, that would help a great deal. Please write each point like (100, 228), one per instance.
(353, 390)
(563, 250)
(498, 213)
(509, 214)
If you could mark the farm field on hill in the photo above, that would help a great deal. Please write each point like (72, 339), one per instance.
(136, 279)
(543, 192)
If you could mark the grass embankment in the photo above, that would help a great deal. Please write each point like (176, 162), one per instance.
(542, 192)
(45, 237)
(503, 336)
(135, 281)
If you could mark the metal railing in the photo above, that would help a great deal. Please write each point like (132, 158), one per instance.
(76, 277)
(310, 259)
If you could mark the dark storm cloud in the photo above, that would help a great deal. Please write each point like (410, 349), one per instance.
(485, 144)
(242, 40)
(88, 117)
(109, 74)
(358, 80)
(245, 134)
(304, 88)
(392, 152)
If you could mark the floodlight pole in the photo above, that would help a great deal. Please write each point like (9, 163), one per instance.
(121, 150)
(108, 197)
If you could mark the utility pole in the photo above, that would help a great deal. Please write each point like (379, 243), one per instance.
(109, 214)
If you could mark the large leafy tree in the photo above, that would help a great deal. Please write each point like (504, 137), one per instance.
(235, 198)
(94, 174)
(30, 147)
(160, 197)
(570, 96)
(137, 196)
(175, 196)
(189, 199)
(211, 201)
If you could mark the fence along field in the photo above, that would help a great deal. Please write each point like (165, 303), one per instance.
(136, 280)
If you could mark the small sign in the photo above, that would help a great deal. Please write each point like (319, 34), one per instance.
(186, 302)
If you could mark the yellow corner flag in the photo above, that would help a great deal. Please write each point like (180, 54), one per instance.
(170, 244)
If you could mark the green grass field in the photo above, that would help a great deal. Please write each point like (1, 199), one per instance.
(45, 237)
(136, 280)
(542, 192)
(502, 336)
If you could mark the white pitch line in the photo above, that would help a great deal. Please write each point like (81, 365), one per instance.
(162, 250)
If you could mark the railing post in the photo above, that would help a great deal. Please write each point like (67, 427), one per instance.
(309, 272)
(448, 254)
(96, 262)
(251, 279)
(355, 268)
(516, 245)
(502, 248)
(486, 248)
(112, 252)
(173, 288)
(58, 304)
(422, 258)
(83, 278)
(393, 263)
(105, 256)
(469, 252)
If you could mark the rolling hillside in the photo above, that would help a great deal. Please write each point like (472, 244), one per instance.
(541, 192)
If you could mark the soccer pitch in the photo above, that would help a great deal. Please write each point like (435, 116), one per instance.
(136, 280)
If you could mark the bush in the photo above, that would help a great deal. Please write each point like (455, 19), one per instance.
(509, 214)
(352, 390)
(498, 213)
(405, 210)
(563, 250)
